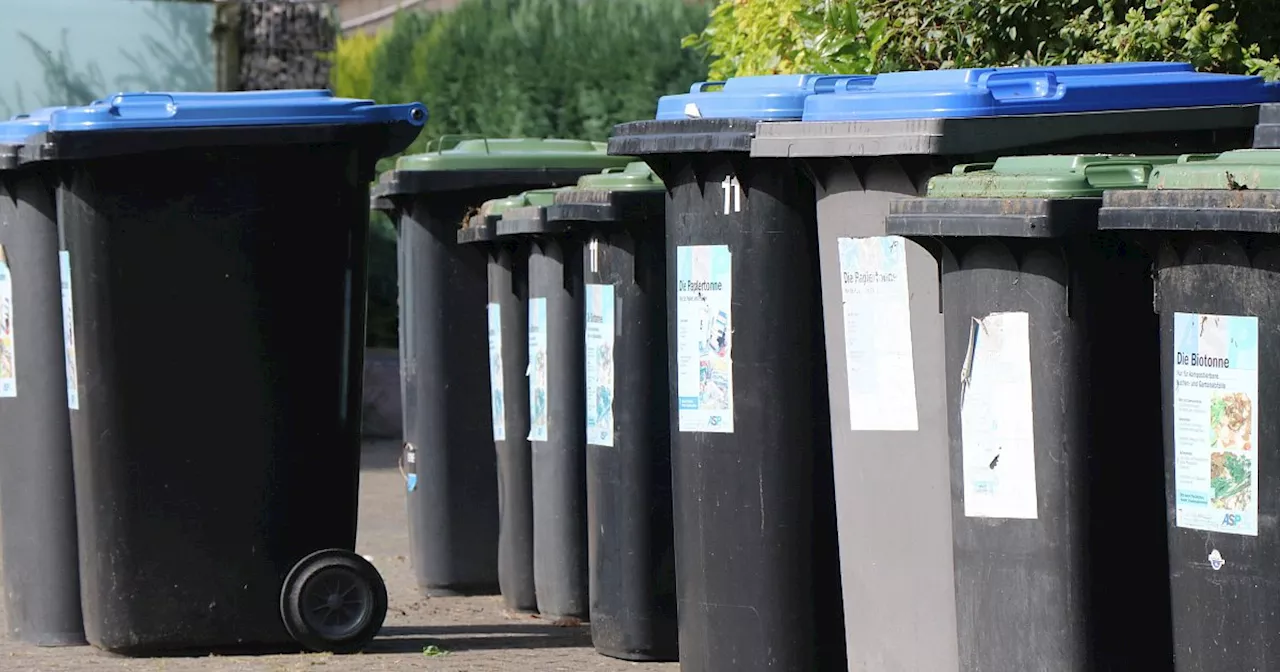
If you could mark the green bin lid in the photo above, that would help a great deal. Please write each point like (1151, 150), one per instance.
(636, 176)
(1234, 170)
(470, 153)
(533, 197)
(1056, 176)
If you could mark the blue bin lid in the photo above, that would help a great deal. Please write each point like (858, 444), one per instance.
(23, 126)
(140, 111)
(993, 92)
(764, 97)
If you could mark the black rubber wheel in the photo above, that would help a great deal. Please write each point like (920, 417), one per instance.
(333, 601)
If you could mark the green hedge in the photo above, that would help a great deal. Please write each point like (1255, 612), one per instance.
(534, 68)
(867, 36)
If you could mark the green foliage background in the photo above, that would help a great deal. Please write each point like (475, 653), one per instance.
(516, 68)
(748, 37)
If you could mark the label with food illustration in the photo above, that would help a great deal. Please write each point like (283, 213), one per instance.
(704, 338)
(877, 334)
(495, 373)
(537, 372)
(69, 332)
(997, 437)
(1215, 424)
(599, 334)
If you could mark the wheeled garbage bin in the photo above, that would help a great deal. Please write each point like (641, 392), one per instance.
(1213, 227)
(213, 259)
(756, 567)
(875, 140)
(618, 216)
(1042, 314)
(37, 496)
(509, 395)
(552, 258)
(455, 538)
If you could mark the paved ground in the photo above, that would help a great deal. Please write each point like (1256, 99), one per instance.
(437, 634)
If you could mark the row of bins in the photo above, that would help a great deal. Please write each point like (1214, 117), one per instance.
(898, 438)
(993, 457)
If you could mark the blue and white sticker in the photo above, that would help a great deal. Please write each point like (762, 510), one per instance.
(497, 399)
(1215, 430)
(69, 332)
(8, 360)
(704, 338)
(600, 337)
(537, 372)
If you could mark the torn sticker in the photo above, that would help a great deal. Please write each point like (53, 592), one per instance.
(599, 362)
(69, 332)
(996, 423)
(8, 360)
(704, 338)
(497, 387)
(538, 411)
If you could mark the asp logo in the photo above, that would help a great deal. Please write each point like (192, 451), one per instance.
(716, 420)
(1231, 519)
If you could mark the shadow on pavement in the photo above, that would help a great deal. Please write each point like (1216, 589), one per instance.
(402, 639)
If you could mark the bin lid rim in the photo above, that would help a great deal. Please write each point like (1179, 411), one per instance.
(1232, 170)
(170, 110)
(760, 97)
(635, 176)
(1018, 91)
(20, 127)
(1047, 176)
(480, 153)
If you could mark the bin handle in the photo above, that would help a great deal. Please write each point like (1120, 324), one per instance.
(971, 168)
(143, 106)
(1193, 158)
(1132, 173)
(453, 139)
(1022, 83)
(701, 87)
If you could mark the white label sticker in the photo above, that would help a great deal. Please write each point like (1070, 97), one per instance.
(877, 334)
(69, 332)
(996, 427)
(704, 338)
(495, 373)
(599, 335)
(8, 360)
(1215, 423)
(537, 371)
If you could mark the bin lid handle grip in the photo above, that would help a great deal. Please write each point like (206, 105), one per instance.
(971, 168)
(1118, 174)
(143, 106)
(451, 140)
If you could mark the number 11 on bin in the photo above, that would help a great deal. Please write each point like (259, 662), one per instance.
(732, 193)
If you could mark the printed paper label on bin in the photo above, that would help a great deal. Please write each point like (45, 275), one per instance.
(599, 351)
(704, 338)
(8, 360)
(537, 372)
(1215, 422)
(69, 332)
(495, 373)
(877, 334)
(996, 424)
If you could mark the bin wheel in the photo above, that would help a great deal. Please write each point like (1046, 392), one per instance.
(333, 601)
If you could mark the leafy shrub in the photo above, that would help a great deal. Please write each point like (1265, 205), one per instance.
(930, 34)
(352, 73)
